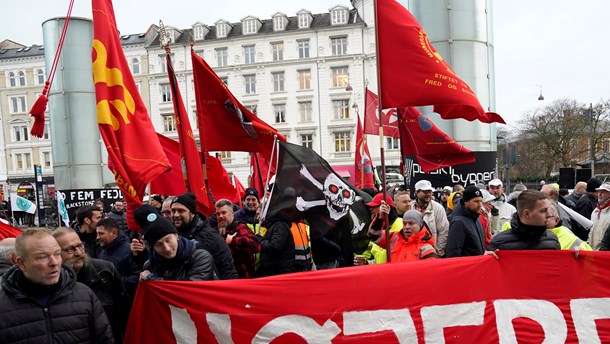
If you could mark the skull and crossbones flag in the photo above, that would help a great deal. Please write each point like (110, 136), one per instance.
(323, 198)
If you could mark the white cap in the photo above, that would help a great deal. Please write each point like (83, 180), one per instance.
(604, 186)
(424, 185)
(448, 189)
(495, 182)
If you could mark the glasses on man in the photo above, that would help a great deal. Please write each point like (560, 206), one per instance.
(72, 249)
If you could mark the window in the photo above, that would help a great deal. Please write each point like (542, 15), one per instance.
(278, 23)
(23, 162)
(249, 54)
(250, 26)
(224, 155)
(341, 109)
(198, 29)
(222, 56)
(342, 142)
(304, 20)
(221, 30)
(225, 80)
(46, 160)
(280, 113)
(21, 133)
(303, 48)
(135, 66)
(166, 93)
(163, 63)
(47, 132)
(278, 81)
(392, 143)
(199, 53)
(305, 111)
(21, 78)
(169, 122)
(39, 77)
(340, 77)
(12, 80)
(17, 104)
(307, 140)
(338, 16)
(250, 83)
(338, 45)
(277, 50)
(304, 79)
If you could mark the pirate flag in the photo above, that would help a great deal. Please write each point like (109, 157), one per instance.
(323, 198)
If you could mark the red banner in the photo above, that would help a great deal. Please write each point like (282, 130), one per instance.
(413, 73)
(371, 117)
(8, 231)
(524, 297)
(135, 156)
(363, 164)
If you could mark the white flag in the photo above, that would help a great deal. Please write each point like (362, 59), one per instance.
(61, 206)
(19, 203)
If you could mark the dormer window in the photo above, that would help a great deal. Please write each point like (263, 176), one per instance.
(199, 32)
(222, 28)
(338, 15)
(304, 19)
(279, 22)
(249, 26)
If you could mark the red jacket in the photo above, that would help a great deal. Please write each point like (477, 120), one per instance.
(419, 246)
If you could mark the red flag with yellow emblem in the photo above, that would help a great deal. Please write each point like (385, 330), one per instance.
(135, 156)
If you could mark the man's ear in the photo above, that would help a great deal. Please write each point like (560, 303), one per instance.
(20, 262)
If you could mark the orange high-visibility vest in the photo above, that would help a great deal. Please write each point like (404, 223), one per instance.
(302, 256)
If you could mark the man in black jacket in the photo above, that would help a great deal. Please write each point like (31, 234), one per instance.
(40, 300)
(585, 206)
(247, 214)
(466, 236)
(528, 226)
(193, 225)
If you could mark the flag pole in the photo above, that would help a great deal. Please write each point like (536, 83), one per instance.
(381, 136)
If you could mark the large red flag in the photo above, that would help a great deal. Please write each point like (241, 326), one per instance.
(224, 123)
(135, 156)
(239, 189)
(363, 163)
(190, 159)
(259, 168)
(433, 148)
(371, 117)
(412, 73)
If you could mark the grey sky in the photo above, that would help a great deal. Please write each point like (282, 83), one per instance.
(560, 44)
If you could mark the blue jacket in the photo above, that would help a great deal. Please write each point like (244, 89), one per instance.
(118, 253)
(466, 236)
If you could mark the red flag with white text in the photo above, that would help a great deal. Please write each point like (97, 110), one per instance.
(363, 164)
(371, 117)
(413, 73)
(122, 117)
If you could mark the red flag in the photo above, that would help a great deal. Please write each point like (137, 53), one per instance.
(219, 180)
(135, 156)
(371, 117)
(259, 167)
(239, 189)
(190, 161)
(433, 148)
(224, 123)
(8, 231)
(363, 163)
(412, 73)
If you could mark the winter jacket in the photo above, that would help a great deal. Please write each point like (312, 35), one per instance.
(210, 240)
(118, 252)
(505, 212)
(243, 247)
(524, 237)
(601, 222)
(120, 218)
(71, 314)
(190, 264)
(466, 236)
(567, 239)
(277, 247)
(438, 224)
(586, 204)
(417, 247)
(246, 216)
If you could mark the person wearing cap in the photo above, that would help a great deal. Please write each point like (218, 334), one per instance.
(414, 242)
(247, 214)
(528, 225)
(503, 210)
(585, 206)
(380, 211)
(512, 197)
(193, 225)
(434, 214)
(466, 235)
(172, 257)
(600, 216)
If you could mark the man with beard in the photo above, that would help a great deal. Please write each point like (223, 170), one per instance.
(466, 236)
(87, 218)
(193, 225)
(504, 210)
(99, 275)
(247, 214)
(434, 214)
(40, 301)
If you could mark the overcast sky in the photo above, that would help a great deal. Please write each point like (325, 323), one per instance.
(562, 45)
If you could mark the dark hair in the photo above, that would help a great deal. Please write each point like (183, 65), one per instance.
(108, 223)
(528, 199)
(85, 212)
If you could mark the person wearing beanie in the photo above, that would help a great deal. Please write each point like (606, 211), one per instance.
(414, 242)
(193, 225)
(172, 257)
(585, 206)
(247, 214)
(466, 235)
(433, 212)
(528, 226)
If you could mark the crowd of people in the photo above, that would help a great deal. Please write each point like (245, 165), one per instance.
(77, 284)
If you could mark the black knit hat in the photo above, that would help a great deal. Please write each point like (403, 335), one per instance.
(471, 192)
(592, 184)
(251, 192)
(154, 226)
(187, 199)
